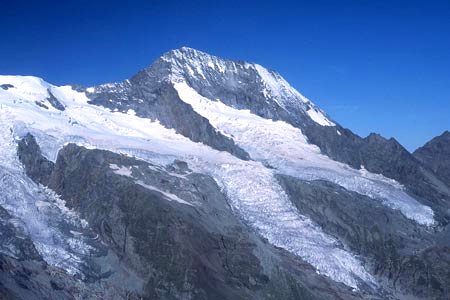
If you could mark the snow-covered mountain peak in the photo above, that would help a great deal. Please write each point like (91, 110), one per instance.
(241, 84)
(239, 123)
(23, 84)
(29, 89)
(186, 52)
(194, 63)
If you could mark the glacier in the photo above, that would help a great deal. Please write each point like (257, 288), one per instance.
(39, 212)
(284, 147)
(275, 147)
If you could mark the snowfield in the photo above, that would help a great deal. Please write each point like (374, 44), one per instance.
(259, 200)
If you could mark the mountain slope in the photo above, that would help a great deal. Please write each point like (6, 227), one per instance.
(228, 176)
(436, 155)
(265, 93)
(172, 231)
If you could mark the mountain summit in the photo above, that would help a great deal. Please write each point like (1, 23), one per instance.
(243, 85)
(205, 178)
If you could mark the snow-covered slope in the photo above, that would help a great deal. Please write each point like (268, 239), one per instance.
(27, 104)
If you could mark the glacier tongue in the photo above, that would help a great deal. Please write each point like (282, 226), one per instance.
(264, 205)
(285, 147)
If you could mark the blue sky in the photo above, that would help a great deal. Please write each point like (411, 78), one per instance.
(374, 66)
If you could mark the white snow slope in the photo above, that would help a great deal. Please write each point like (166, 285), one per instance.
(252, 189)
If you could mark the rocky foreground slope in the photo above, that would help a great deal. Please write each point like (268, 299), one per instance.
(204, 178)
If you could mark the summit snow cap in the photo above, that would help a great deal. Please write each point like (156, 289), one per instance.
(266, 87)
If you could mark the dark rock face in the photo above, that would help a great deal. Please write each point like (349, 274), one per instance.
(37, 167)
(40, 104)
(54, 102)
(394, 248)
(177, 250)
(31, 279)
(436, 155)
(6, 86)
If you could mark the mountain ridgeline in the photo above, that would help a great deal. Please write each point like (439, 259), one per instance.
(206, 178)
